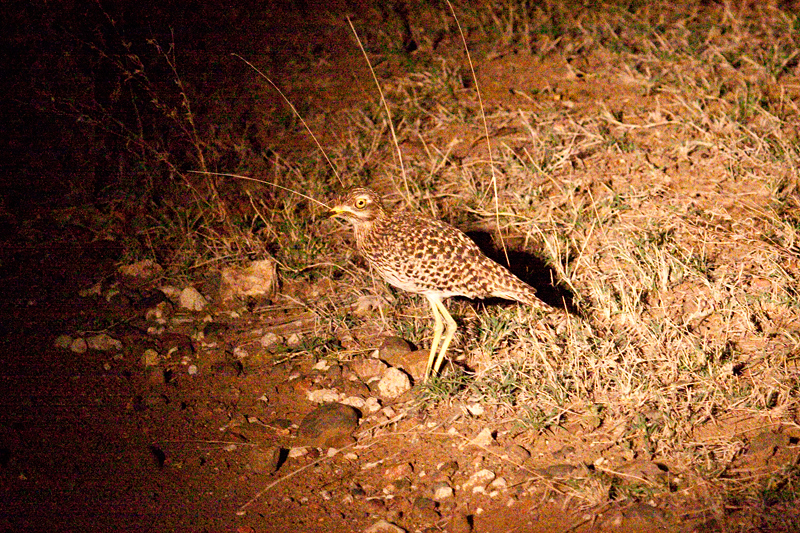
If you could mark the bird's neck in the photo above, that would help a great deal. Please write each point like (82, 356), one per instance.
(365, 228)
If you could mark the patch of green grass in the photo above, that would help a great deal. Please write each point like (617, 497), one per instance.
(442, 387)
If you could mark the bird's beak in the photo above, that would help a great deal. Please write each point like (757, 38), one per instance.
(336, 210)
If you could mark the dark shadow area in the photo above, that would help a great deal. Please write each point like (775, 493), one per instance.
(530, 269)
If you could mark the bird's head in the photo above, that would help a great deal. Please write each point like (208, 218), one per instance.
(360, 206)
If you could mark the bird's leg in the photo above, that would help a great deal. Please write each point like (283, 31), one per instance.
(438, 327)
(448, 335)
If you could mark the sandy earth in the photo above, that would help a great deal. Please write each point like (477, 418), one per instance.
(99, 441)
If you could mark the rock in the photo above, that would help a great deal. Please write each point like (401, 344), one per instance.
(79, 345)
(297, 451)
(258, 279)
(413, 363)
(265, 461)
(294, 340)
(398, 471)
(150, 357)
(498, 484)
(483, 439)
(369, 368)
(459, 523)
(115, 297)
(394, 346)
(94, 290)
(372, 405)
(394, 383)
(354, 401)
(240, 353)
(517, 454)
(441, 490)
(159, 312)
(103, 343)
(366, 304)
(382, 526)
(475, 409)
(271, 341)
(323, 396)
(321, 365)
(141, 271)
(63, 342)
(478, 481)
(171, 292)
(191, 299)
(328, 425)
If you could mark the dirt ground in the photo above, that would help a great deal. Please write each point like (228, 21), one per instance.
(207, 435)
(97, 441)
(101, 441)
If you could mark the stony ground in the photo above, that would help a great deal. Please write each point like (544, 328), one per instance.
(125, 410)
(178, 419)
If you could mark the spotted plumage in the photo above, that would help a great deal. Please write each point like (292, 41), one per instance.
(426, 256)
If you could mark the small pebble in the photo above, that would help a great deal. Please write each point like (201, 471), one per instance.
(63, 342)
(475, 409)
(479, 479)
(517, 453)
(79, 346)
(459, 523)
(150, 357)
(191, 299)
(484, 438)
(298, 451)
(441, 490)
(398, 471)
(393, 346)
(394, 383)
(382, 526)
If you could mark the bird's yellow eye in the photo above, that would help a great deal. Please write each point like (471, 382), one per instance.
(361, 203)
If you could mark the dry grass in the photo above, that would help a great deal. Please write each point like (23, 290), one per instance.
(658, 180)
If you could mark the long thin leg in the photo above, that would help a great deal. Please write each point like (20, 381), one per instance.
(448, 336)
(438, 327)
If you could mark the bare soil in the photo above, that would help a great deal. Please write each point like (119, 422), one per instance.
(98, 441)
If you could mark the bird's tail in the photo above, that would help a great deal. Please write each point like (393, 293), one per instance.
(510, 287)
